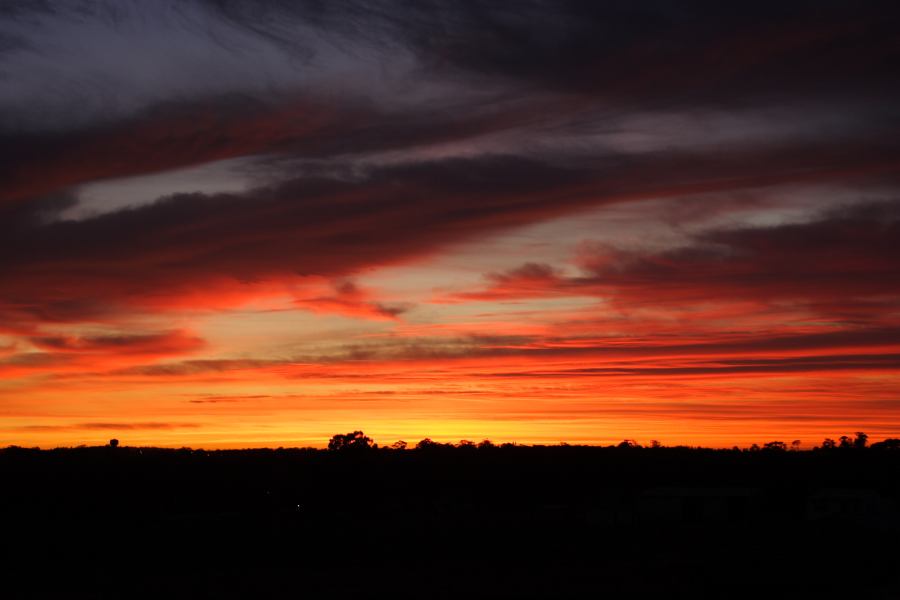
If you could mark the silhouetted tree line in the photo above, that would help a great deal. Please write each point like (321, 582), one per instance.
(561, 513)
(356, 441)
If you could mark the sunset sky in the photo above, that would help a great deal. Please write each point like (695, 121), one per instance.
(236, 224)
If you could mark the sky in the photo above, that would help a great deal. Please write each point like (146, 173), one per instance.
(240, 224)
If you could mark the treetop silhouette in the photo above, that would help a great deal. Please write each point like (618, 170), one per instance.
(353, 441)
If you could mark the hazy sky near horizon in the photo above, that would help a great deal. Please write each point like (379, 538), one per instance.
(230, 223)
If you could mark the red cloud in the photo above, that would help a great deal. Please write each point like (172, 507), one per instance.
(74, 354)
(155, 344)
(220, 250)
(845, 265)
(351, 300)
(148, 425)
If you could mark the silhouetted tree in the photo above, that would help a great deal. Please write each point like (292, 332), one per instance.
(399, 445)
(466, 444)
(655, 444)
(845, 442)
(887, 444)
(775, 446)
(427, 444)
(486, 444)
(113, 443)
(355, 441)
(628, 444)
(795, 445)
(828, 444)
(861, 440)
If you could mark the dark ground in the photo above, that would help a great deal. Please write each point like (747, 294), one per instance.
(512, 522)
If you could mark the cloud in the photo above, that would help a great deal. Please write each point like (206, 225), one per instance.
(219, 250)
(842, 264)
(873, 349)
(481, 118)
(154, 344)
(173, 84)
(727, 367)
(229, 398)
(173, 135)
(190, 368)
(350, 300)
(204, 47)
(104, 426)
(59, 354)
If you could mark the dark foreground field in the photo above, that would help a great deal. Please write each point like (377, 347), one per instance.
(512, 522)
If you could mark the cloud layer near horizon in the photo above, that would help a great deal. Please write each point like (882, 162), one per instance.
(623, 198)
